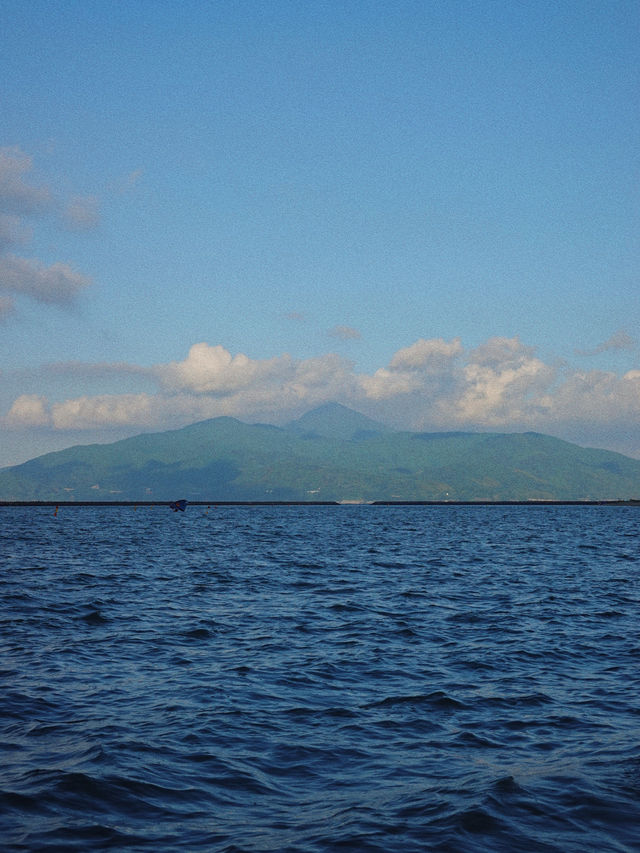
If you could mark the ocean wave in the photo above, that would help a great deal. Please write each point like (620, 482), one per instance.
(362, 678)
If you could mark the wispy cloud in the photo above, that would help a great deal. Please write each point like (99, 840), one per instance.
(93, 370)
(17, 196)
(7, 307)
(81, 213)
(56, 284)
(620, 340)
(21, 203)
(345, 333)
(13, 231)
(129, 181)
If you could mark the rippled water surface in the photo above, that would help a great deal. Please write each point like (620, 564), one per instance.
(320, 678)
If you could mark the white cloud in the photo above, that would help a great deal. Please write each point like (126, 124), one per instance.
(501, 383)
(502, 353)
(596, 398)
(105, 410)
(424, 354)
(253, 386)
(213, 370)
(56, 284)
(425, 367)
(28, 410)
(208, 383)
(320, 379)
(495, 396)
(385, 383)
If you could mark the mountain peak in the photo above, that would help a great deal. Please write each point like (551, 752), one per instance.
(333, 420)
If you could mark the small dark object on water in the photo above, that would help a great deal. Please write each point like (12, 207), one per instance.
(178, 505)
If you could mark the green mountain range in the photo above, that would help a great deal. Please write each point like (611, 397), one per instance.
(330, 454)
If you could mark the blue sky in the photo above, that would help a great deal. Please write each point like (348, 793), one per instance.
(425, 210)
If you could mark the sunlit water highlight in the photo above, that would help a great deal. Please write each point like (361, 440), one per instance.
(320, 678)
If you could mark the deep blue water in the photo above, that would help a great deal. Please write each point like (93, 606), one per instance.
(320, 679)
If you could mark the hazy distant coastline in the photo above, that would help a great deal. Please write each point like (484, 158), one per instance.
(330, 455)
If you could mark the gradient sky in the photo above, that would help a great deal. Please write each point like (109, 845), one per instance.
(425, 210)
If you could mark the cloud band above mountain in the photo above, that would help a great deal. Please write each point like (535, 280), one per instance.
(430, 385)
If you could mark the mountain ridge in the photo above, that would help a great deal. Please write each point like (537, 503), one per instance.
(330, 453)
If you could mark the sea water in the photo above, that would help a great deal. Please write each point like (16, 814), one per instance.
(353, 678)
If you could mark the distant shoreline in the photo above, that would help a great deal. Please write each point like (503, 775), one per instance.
(630, 502)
